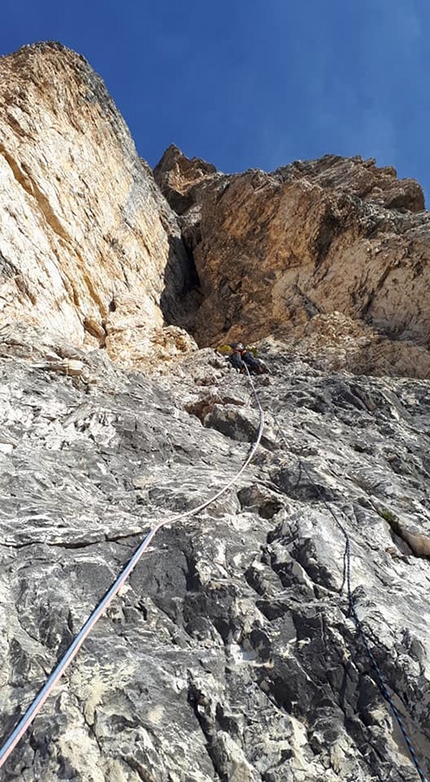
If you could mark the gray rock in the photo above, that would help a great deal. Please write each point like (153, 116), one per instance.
(230, 654)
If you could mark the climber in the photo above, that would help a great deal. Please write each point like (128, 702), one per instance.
(241, 356)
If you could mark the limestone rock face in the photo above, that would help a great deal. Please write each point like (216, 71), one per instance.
(335, 235)
(230, 653)
(234, 652)
(89, 249)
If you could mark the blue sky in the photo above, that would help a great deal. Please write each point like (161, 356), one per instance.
(254, 83)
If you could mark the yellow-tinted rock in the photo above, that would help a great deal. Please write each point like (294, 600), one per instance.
(85, 235)
(337, 239)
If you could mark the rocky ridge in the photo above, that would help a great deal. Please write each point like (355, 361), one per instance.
(230, 654)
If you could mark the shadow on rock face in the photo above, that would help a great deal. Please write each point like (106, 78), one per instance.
(295, 483)
(181, 296)
(238, 424)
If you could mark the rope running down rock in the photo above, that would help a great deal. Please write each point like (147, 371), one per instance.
(76, 644)
(382, 686)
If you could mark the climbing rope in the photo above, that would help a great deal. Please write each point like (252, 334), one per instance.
(383, 687)
(74, 647)
(380, 680)
(76, 644)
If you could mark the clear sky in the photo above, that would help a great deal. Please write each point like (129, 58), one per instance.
(253, 83)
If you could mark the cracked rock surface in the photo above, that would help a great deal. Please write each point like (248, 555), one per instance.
(230, 653)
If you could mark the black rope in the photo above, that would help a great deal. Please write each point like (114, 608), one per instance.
(380, 681)
(359, 625)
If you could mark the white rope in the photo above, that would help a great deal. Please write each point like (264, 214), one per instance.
(76, 644)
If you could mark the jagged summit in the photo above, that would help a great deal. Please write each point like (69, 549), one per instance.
(176, 173)
(361, 178)
(233, 651)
